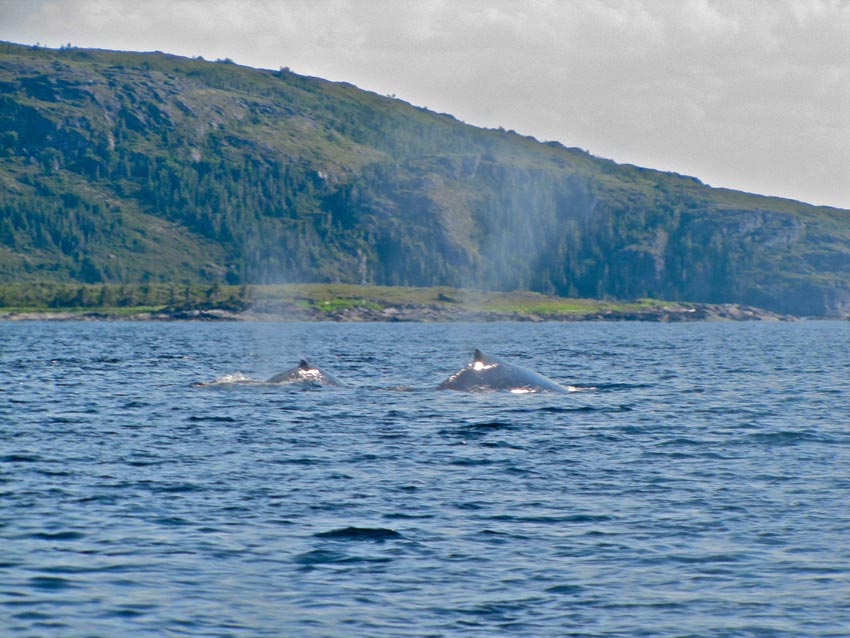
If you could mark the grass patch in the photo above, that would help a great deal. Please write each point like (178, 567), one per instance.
(129, 299)
(335, 297)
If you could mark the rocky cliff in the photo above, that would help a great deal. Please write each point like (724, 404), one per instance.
(125, 167)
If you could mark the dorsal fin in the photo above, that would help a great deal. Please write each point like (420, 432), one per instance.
(478, 356)
(303, 364)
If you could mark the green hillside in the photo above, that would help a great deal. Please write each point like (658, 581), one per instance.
(145, 167)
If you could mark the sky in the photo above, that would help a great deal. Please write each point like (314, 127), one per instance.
(752, 95)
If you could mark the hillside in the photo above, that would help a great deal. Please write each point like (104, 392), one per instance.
(146, 167)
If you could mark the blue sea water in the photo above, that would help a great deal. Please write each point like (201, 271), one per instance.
(696, 483)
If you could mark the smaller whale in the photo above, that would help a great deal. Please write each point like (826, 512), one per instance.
(487, 374)
(307, 374)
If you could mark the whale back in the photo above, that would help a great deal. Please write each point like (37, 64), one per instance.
(306, 374)
(487, 373)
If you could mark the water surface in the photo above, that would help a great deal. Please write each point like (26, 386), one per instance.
(695, 485)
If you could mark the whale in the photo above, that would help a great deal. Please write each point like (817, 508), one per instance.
(488, 374)
(307, 374)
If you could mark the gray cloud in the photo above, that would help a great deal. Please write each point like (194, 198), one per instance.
(748, 94)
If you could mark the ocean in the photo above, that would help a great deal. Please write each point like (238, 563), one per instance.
(694, 482)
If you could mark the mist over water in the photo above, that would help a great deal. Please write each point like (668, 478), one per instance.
(695, 486)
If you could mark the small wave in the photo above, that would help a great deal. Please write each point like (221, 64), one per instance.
(302, 460)
(562, 409)
(55, 473)
(90, 569)
(504, 445)
(146, 463)
(565, 589)
(177, 488)
(328, 557)
(467, 462)
(705, 559)
(167, 356)
(136, 404)
(479, 430)
(572, 518)
(486, 427)
(58, 536)
(500, 611)
(171, 521)
(234, 378)
(50, 583)
(607, 409)
(21, 458)
(97, 498)
(32, 615)
(613, 387)
(681, 441)
(212, 418)
(321, 557)
(360, 534)
(65, 420)
(68, 361)
(786, 437)
(500, 538)
(405, 516)
(123, 612)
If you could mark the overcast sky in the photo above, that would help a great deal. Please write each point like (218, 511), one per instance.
(747, 94)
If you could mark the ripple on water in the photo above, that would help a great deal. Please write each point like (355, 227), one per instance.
(789, 438)
(50, 583)
(331, 557)
(21, 458)
(360, 534)
(58, 536)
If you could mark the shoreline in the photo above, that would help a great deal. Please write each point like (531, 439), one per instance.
(418, 313)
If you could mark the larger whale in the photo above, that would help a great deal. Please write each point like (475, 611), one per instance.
(487, 374)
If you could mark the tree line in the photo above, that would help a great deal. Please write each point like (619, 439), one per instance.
(80, 296)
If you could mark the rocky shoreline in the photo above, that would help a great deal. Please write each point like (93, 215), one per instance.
(424, 313)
